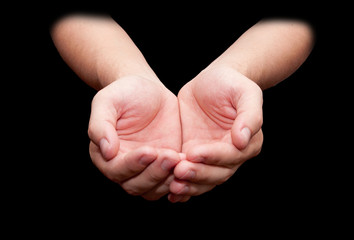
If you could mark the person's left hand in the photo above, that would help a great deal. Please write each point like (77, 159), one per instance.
(221, 116)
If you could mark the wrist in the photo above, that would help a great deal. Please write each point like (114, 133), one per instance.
(224, 66)
(107, 74)
(252, 74)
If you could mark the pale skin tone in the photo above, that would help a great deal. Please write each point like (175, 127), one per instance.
(136, 123)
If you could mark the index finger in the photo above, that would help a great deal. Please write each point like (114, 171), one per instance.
(219, 154)
(225, 154)
(123, 167)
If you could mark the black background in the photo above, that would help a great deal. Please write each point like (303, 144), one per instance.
(290, 185)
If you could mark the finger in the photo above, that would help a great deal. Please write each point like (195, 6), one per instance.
(178, 198)
(121, 168)
(134, 162)
(154, 174)
(201, 173)
(102, 126)
(160, 190)
(96, 155)
(249, 115)
(183, 188)
(255, 145)
(220, 154)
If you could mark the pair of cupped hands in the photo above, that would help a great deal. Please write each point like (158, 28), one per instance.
(153, 143)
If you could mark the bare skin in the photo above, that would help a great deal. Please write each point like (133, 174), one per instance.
(153, 143)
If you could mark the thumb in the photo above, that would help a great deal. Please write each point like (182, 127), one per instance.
(249, 116)
(102, 126)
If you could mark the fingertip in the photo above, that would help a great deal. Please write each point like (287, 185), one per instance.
(246, 134)
(173, 198)
(196, 154)
(104, 146)
(182, 156)
(179, 187)
(145, 154)
(183, 170)
(241, 138)
(147, 159)
(108, 149)
(169, 159)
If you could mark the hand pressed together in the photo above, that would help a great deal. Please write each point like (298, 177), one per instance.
(136, 133)
(153, 143)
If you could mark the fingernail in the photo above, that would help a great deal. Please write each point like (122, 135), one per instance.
(189, 175)
(246, 133)
(184, 190)
(104, 146)
(197, 159)
(167, 165)
(146, 159)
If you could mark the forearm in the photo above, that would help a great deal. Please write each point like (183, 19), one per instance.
(270, 51)
(98, 50)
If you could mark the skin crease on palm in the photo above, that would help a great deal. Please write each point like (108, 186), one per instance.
(150, 117)
(153, 143)
(210, 136)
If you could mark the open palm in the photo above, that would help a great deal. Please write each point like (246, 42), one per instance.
(136, 135)
(221, 116)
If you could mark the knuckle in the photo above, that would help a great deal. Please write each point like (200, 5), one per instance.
(154, 177)
(226, 177)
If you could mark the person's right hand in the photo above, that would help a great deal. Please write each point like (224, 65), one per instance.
(135, 135)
